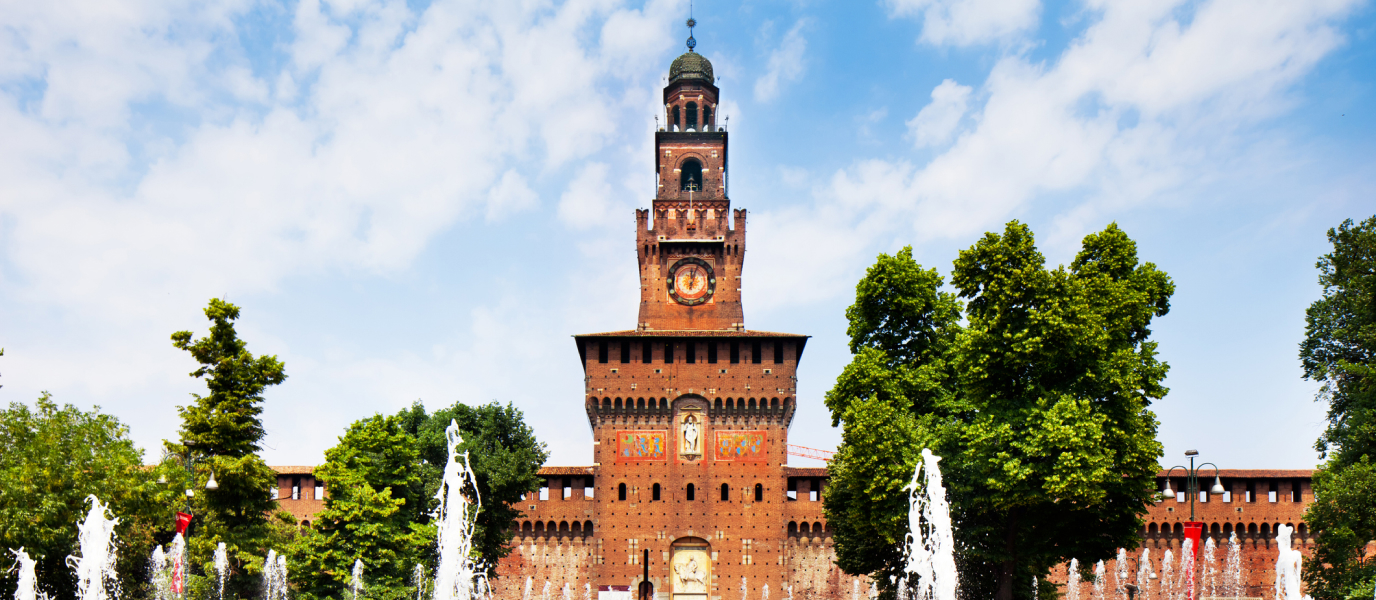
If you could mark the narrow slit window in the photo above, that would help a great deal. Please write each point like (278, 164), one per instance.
(778, 352)
(725, 493)
(759, 493)
(712, 353)
(621, 492)
(690, 493)
(602, 351)
(735, 352)
(706, 118)
(755, 356)
(690, 353)
(691, 116)
(625, 351)
(646, 352)
(668, 353)
(655, 492)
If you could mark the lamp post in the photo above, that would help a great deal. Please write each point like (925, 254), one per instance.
(189, 462)
(1193, 528)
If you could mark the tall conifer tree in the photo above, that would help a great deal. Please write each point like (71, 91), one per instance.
(223, 431)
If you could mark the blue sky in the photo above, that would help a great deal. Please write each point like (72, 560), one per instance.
(418, 200)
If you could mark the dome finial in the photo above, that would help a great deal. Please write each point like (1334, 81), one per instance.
(692, 43)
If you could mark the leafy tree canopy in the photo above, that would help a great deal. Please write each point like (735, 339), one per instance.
(1339, 351)
(1038, 404)
(55, 457)
(221, 433)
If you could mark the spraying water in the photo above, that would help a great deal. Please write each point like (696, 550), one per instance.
(1184, 588)
(790, 592)
(1120, 574)
(1099, 578)
(1167, 576)
(1287, 566)
(1210, 568)
(95, 568)
(855, 589)
(158, 578)
(418, 578)
(457, 576)
(567, 593)
(1072, 580)
(587, 591)
(745, 591)
(530, 581)
(176, 559)
(356, 579)
(221, 569)
(1144, 574)
(544, 595)
(28, 580)
(1232, 568)
(764, 592)
(930, 571)
(274, 577)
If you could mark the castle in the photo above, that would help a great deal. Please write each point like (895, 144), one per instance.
(690, 414)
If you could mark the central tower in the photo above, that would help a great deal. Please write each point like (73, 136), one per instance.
(690, 245)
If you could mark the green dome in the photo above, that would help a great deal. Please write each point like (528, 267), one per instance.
(691, 65)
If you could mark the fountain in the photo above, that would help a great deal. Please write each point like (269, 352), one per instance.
(1167, 577)
(418, 578)
(1120, 574)
(1144, 575)
(158, 580)
(221, 569)
(1232, 568)
(28, 580)
(458, 576)
(764, 592)
(95, 568)
(1287, 566)
(930, 571)
(356, 579)
(1185, 586)
(1072, 580)
(530, 581)
(1099, 577)
(745, 591)
(544, 595)
(587, 591)
(567, 594)
(1210, 568)
(274, 577)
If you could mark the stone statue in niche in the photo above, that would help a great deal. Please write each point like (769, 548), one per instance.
(692, 434)
(690, 576)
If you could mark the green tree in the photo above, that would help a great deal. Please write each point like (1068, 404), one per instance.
(1039, 406)
(55, 458)
(224, 429)
(505, 457)
(1339, 351)
(370, 474)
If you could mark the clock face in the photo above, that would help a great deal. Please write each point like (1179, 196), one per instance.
(691, 281)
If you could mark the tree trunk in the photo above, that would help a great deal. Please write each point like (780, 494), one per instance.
(1008, 567)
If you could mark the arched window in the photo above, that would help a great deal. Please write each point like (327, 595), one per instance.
(803, 527)
(675, 119)
(1265, 529)
(587, 527)
(725, 492)
(577, 528)
(1151, 529)
(690, 493)
(563, 527)
(690, 176)
(759, 493)
(792, 528)
(816, 529)
(655, 492)
(621, 492)
(706, 118)
(691, 112)
(1179, 529)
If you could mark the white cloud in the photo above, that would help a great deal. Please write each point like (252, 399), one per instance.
(785, 64)
(511, 195)
(935, 123)
(968, 22)
(588, 200)
(1128, 110)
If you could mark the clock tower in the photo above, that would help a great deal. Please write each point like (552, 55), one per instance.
(690, 491)
(690, 244)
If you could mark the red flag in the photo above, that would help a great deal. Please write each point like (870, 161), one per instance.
(183, 520)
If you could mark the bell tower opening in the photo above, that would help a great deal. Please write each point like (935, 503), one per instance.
(690, 175)
(692, 114)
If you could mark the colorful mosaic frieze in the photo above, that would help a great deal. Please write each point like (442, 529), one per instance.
(634, 446)
(741, 446)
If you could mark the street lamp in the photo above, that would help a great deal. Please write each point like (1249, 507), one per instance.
(1192, 480)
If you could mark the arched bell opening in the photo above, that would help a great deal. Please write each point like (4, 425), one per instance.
(690, 176)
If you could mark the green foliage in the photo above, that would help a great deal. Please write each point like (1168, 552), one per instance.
(1339, 347)
(54, 458)
(221, 433)
(1039, 405)
(1339, 351)
(369, 474)
(504, 455)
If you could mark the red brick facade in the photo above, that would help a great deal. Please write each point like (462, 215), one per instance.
(690, 413)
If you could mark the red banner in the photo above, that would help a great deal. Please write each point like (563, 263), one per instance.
(183, 521)
(1193, 529)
